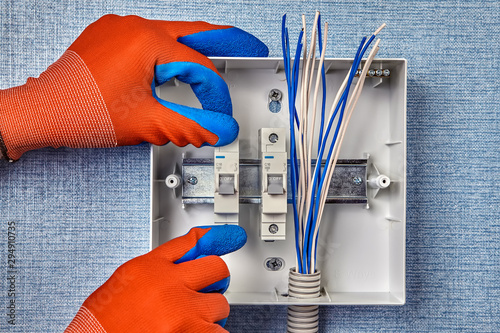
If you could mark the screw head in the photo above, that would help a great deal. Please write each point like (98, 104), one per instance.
(386, 72)
(273, 137)
(273, 228)
(371, 72)
(275, 95)
(357, 180)
(274, 264)
(192, 180)
(378, 72)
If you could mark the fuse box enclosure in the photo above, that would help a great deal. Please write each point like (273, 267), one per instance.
(361, 252)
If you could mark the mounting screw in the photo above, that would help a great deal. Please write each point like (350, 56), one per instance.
(273, 137)
(386, 72)
(275, 95)
(192, 180)
(273, 228)
(357, 180)
(274, 264)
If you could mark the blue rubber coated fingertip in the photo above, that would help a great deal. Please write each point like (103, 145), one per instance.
(230, 42)
(220, 240)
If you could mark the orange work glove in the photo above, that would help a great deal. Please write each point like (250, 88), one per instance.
(174, 288)
(100, 93)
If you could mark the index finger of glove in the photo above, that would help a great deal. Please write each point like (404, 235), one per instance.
(206, 274)
(216, 40)
(203, 241)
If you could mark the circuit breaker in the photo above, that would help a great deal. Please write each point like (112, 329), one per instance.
(226, 187)
(273, 209)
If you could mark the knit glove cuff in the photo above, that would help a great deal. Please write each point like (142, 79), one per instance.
(62, 107)
(84, 322)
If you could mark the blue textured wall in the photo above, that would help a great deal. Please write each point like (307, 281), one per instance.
(81, 213)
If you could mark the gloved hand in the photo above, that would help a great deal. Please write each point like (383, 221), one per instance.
(100, 93)
(174, 288)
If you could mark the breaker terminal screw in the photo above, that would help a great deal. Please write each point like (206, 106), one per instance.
(273, 228)
(273, 137)
(386, 72)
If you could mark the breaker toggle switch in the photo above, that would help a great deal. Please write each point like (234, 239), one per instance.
(273, 156)
(275, 184)
(226, 194)
(226, 185)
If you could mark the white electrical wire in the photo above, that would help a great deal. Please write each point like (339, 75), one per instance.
(312, 55)
(307, 82)
(302, 185)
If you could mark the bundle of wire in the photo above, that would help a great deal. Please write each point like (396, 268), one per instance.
(310, 181)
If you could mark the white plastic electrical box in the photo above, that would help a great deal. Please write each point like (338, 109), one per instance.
(361, 251)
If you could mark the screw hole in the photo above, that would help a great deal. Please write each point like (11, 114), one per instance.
(275, 106)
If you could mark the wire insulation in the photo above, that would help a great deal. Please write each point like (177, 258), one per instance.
(310, 180)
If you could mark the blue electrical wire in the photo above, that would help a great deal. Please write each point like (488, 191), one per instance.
(296, 162)
(286, 62)
(295, 74)
(292, 79)
(293, 153)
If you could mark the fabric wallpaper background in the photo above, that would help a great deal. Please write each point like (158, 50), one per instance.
(80, 213)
